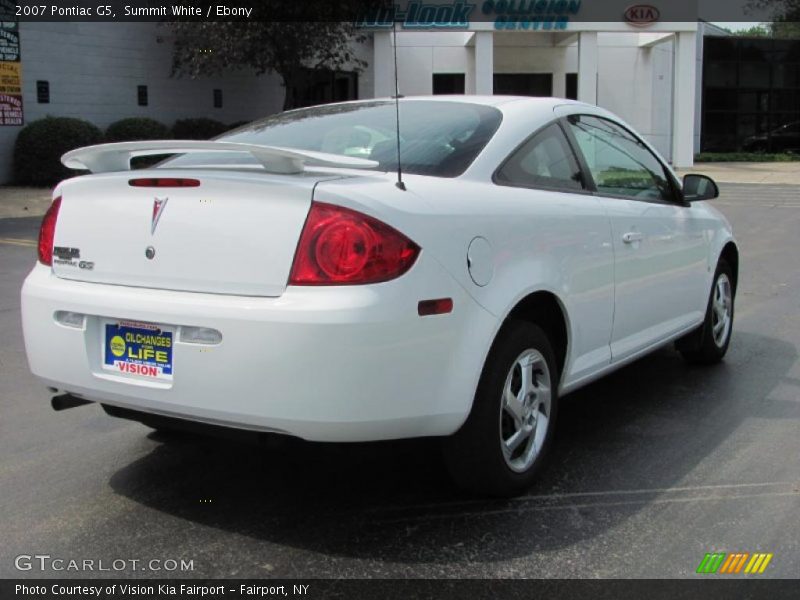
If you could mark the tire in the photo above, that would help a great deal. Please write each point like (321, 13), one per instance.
(709, 343)
(478, 455)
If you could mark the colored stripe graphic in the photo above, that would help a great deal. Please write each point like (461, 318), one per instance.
(734, 563)
(723, 563)
(711, 562)
(758, 563)
(741, 562)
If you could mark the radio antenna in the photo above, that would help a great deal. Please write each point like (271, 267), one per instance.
(400, 185)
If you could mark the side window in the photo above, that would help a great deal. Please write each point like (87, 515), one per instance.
(620, 164)
(544, 161)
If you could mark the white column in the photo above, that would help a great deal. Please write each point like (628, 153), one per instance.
(587, 67)
(559, 83)
(382, 64)
(484, 63)
(684, 99)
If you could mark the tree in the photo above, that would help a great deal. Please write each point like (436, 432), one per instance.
(784, 14)
(282, 47)
(756, 31)
(786, 29)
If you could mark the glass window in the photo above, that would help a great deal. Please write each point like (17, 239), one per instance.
(523, 84)
(756, 123)
(753, 101)
(720, 48)
(141, 95)
(720, 74)
(43, 92)
(750, 87)
(794, 129)
(755, 50)
(620, 164)
(753, 75)
(572, 86)
(448, 83)
(544, 161)
(718, 99)
(786, 75)
(438, 138)
(790, 48)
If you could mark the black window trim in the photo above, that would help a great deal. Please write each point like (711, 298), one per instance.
(589, 188)
(677, 194)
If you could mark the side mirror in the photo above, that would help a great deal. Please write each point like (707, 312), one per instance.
(698, 187)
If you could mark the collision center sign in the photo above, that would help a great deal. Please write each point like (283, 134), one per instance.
(506, 14)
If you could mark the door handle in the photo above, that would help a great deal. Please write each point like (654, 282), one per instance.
(632, 236)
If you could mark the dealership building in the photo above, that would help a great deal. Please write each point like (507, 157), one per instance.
(684, 85)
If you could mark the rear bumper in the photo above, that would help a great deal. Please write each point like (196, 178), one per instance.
(328, 364)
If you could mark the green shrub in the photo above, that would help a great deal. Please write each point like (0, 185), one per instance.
(40, 144)
(136, 128)
(745, 157)
(197, 129)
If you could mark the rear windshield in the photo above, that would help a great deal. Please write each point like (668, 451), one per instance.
(436, 138)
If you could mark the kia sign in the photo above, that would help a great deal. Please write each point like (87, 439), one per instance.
(641, 15)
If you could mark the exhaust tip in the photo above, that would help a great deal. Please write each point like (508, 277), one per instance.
(65, 401)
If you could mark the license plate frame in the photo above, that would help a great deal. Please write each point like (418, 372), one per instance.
(139, 350)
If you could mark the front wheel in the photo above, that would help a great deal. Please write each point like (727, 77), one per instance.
(506, 437)
(709, 343)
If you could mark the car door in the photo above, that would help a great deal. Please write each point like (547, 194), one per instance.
(660, 250)
(563, 231)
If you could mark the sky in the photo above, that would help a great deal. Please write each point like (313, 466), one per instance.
(737, 26)
(742, 11)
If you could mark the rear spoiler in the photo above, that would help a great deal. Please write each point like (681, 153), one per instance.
(106, 158)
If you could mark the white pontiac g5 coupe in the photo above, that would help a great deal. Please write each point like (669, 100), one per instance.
(281, 279)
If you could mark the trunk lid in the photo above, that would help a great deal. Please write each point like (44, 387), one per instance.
(235, 233)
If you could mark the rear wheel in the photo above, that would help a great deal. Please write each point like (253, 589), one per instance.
(506, 437)
(709, 343)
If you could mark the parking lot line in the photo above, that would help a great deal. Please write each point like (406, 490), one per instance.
(532, 498)
(18, 242)
(517, 509)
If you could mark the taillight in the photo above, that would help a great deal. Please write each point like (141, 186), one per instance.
(339, 246)
(47, 233)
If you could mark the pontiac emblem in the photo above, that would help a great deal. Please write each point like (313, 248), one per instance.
(158, 208)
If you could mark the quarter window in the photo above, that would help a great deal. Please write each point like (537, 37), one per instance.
(544, 161)
(620, 164)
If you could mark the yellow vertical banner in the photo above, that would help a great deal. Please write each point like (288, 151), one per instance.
(10, 78)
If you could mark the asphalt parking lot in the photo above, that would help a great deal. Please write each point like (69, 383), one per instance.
(653, 466)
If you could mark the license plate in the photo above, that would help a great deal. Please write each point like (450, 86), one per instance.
(138, 349)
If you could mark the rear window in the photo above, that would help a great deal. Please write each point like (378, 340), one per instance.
(436, 138)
